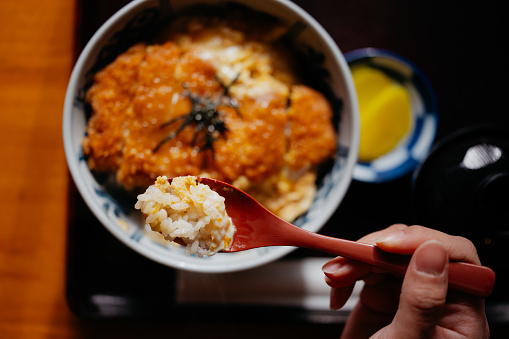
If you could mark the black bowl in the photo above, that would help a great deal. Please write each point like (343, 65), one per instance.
(462, 188)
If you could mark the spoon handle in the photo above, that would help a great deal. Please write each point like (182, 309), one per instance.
(257, 227)
(469, 278)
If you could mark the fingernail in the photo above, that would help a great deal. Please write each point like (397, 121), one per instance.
(431, 259)
(391, 237)
(331, 267)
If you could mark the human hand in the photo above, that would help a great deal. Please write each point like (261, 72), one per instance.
(417, 305)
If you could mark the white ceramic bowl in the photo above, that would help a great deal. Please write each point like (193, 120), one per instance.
(122, 220)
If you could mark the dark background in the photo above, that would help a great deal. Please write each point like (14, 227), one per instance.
(459, 46)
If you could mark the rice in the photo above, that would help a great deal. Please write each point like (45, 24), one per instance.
(187, 210)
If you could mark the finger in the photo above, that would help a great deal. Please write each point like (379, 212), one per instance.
(370, 279)
(339, 283)
(423, 293)
(344, 269)
(376, 308)
(382, 297)
(375, 278)
(372, 237)
(339, 296)
(406, 241)
(341, 269)
(341, 272)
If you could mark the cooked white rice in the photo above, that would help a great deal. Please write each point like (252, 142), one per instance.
(190, 211)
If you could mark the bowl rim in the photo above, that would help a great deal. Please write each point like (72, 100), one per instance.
(79, 70)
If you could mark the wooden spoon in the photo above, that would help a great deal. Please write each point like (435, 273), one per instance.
(258, 227)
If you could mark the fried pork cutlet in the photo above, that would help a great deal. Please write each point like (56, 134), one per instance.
(211, 102)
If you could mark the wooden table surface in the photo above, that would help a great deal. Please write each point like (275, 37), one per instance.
(36, 48)
(36, 58)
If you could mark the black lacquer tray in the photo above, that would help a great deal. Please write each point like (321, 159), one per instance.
(458, 45)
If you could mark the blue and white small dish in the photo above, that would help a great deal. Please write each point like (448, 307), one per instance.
(414, 147)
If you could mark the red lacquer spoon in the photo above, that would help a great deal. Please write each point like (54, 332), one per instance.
(258, 227)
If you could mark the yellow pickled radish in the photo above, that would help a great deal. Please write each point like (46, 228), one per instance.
(385, 112)
(368, 83)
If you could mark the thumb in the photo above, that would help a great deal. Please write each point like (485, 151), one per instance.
(423, 293)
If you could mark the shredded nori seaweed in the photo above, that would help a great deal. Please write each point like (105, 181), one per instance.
(205, 115)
